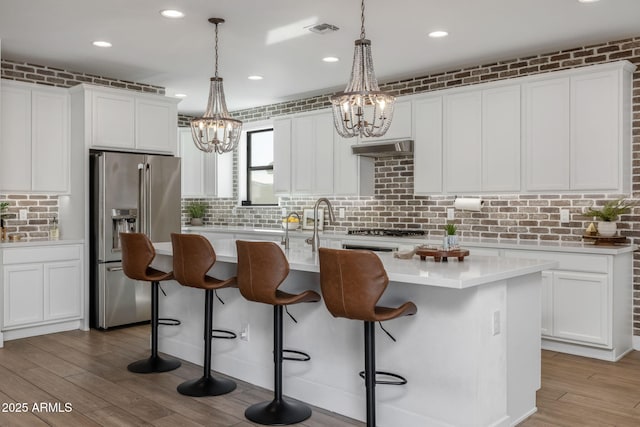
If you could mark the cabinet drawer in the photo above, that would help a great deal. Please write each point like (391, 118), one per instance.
(41, 254)
(574, 262)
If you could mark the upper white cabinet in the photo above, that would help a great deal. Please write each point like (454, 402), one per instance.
(352, 175)
(34, 148)
(204, 174)
(282, 156)
(400, 124)
(128, 120)
(577, 129)
(427, 146)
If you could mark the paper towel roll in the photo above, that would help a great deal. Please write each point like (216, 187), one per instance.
(467, 204)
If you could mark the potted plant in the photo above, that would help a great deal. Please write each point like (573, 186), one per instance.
(3, 208)
(608, 215)
(451, 229)
(196, 212)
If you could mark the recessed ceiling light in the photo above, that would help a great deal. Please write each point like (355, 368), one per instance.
(255, 77)
(171, 13)
(180, 95)
(101, 43)
(330, 59)
(438, 34)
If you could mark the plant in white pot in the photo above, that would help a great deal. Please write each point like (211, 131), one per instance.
(451, 235)
(608, 215)
(196, 212)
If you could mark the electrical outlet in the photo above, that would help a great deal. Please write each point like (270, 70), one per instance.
(283, 212)
(564, 215)
(23, 214)
(450, 213)
(496, 323)
(244, 332)
(341, 213)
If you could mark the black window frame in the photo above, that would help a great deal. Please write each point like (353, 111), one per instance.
(250, 168)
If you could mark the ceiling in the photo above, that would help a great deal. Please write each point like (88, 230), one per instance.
(269, 38)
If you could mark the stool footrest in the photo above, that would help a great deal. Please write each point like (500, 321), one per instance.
(223, 334)
(399, 380)
(303, 357)
(169, 322)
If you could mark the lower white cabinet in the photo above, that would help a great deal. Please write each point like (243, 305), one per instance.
(41, 286)
(586, 303)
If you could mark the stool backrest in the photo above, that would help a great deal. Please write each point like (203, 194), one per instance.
(137, 255)
(193, 256)
(352, 282)
(262, 267)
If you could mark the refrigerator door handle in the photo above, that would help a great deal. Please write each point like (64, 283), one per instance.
(141, 199)
(114, 269)
(101, 205)
(147, 201)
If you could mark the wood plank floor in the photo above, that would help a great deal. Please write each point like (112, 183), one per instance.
(88, 370)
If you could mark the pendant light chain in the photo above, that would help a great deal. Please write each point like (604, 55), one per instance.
(216, 73)
(362, 34)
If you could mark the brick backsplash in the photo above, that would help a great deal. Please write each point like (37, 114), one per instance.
(41, 209)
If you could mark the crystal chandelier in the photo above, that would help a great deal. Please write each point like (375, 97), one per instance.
(362, 109)
(216, 130)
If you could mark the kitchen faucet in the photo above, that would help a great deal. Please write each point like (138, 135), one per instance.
(315, 240)
(285, 239)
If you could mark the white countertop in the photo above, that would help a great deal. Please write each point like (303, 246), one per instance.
(532, 245)
(475, 270)
(25, 243)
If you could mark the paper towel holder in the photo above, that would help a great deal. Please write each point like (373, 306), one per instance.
(475, 200)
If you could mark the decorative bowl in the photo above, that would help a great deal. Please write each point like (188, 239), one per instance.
(292, 225)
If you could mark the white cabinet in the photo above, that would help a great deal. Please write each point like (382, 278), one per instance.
(577, 133)
(400, 124)
(35, 141)
(282, 156)
(427, 148)
(127, 120)
(586, 303)
(352, 175)
(204, 174)
(42, 287)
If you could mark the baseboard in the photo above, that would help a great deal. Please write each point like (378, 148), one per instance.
(32, 331)
(610, 355)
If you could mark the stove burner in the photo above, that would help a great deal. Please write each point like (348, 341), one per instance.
(385, 232)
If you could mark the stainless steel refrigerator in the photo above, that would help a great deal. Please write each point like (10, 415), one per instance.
(129, 192)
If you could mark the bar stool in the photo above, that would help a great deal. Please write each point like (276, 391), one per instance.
(137, 256)
(262, 267)
(352, 282)
(193, 256)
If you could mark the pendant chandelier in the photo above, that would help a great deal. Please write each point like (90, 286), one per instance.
(362, 109)
(216, 131)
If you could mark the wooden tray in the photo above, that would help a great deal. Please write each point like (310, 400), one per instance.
(442, 255)
(605, 241)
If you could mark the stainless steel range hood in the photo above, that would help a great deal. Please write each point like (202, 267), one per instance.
(401, 147)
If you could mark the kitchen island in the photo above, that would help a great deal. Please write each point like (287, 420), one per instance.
(471, 355)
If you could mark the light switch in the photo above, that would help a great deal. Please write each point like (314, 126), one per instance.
(341, 213)
(450, 213)
(23, 214)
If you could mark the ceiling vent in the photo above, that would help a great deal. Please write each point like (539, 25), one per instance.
(322, 28)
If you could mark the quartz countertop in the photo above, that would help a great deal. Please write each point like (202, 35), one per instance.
(432, 240)
(475, 270)
(25, 243)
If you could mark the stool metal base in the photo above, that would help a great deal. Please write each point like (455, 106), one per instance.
(206, 386)
(278, 413)
(153, 364)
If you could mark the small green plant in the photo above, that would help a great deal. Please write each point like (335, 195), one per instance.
(197, 209)
(611, 210)
(3, 206)
(450, 229)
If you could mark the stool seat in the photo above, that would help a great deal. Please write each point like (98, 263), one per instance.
(137, 255)
(193, 257)
(352, 282)
(262, 267)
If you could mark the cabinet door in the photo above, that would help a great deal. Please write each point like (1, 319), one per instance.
(323, 154)
(112, 120)
(400, 124)
(463, 142)
(23, 294)
(352, 175)
(581, 307)
(547, 303)
(546, 134)
(15, 141)
(62, 290)
(501, 139)
(595, 140)
(155, 124)
(302, 150)
(282, 156)
(50, 141)
(192, 167)
(427, 148)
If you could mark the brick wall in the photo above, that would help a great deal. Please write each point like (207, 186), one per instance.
(40, 211)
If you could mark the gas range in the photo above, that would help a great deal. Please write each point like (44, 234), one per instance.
(385, 232)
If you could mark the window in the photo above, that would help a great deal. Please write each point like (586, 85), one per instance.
(260, 168)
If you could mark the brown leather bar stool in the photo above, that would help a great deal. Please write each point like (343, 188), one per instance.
(137, 256)
(193, 256)
(262, 267)
(352, 282)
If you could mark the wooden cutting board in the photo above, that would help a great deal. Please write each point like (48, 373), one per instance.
(442, 255)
